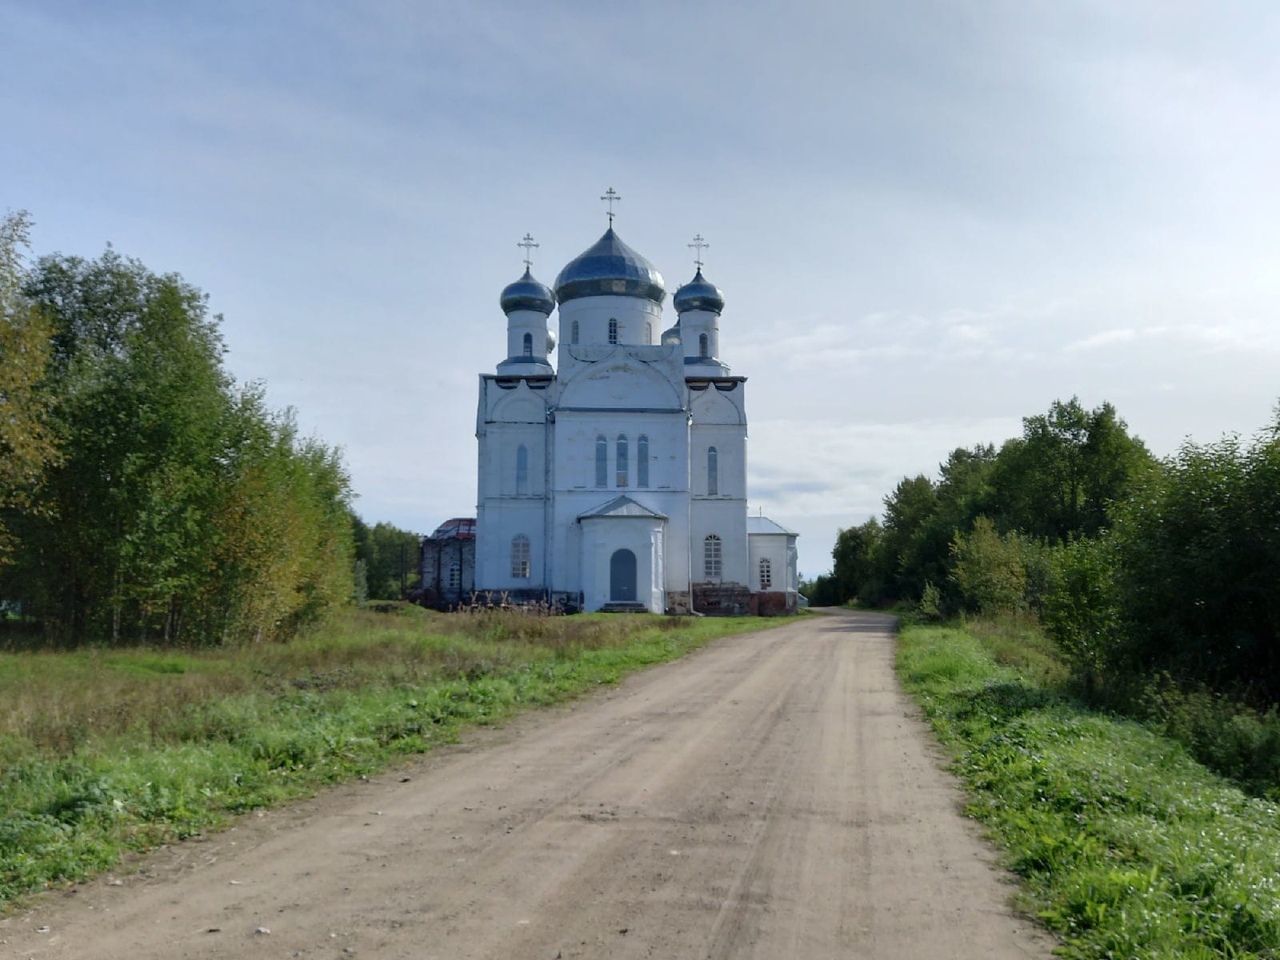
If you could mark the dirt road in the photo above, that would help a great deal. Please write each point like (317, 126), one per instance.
(773, 796)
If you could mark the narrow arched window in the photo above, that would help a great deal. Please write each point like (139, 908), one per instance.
(573, 332)
(713, 472)
(766, 573)
(712, 561)
(602, 462)
(520, 557)
(648, 333)
(703, 346)
(642, 461)
(622, 461)
(528, 344)
(522, 469)
(613, 330)
(455, 576)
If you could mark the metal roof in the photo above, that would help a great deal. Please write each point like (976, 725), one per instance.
(765, 525)
(459, 528)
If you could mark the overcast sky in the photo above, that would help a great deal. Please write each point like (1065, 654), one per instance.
(929, 219)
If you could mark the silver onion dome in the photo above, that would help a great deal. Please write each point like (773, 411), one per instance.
(528, 294)
(609, 268)
(699, 294)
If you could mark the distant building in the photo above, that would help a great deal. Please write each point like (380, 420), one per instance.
(447, 563)
(618, 478)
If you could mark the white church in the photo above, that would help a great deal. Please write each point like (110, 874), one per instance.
(616, 478)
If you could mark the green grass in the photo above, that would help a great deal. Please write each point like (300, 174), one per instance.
(107, 751)
(1127, 846)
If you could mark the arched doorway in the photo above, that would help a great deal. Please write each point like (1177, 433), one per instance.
(622, 576)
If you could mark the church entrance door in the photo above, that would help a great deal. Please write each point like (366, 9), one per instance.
(622, 576)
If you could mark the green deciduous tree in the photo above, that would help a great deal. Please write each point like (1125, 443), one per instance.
(989, 568)
(28, 446)
(859, 566)
(142, 402)
(1082, 608)
(182, 509)
(1058, 479)
(915, 545)
(1198, 566)
(390, 556)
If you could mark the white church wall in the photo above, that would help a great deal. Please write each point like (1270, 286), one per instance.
(505, 478)
(602, 538)
(774, 548)
(634, 378)
(533, 323)
(726, 519)
(730, 477)
(695, 324)
(718, 401)
(568, 575)
(576, 437)
(639, 321)
(503, 521)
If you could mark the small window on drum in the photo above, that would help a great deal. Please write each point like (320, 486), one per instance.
(704, 347)
(528, 344)
(613, 330)
(573, 332)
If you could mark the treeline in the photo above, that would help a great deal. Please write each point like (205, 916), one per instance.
(1143, 571)
(143, 494)
(386, 560)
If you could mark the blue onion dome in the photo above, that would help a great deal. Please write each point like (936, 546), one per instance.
(671, 335)
(699, 294)
(609, 268)
(528, 294)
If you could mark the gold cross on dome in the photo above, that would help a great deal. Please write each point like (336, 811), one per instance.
(529, 245)
(698, 245)
(610, 196)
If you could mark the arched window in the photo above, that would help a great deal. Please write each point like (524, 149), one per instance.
(703, 346)
(455, 576)
(602, 462)
(613, 330)
(642, 461)
(622, 459)
(648, 332)
(712, 563)
(766, 573)
(713, 472)
(522, 469)
(573, 332)
(520, 557)
(528, 344)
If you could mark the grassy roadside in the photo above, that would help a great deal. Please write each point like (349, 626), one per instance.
(107, 751)
(1127, 846)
